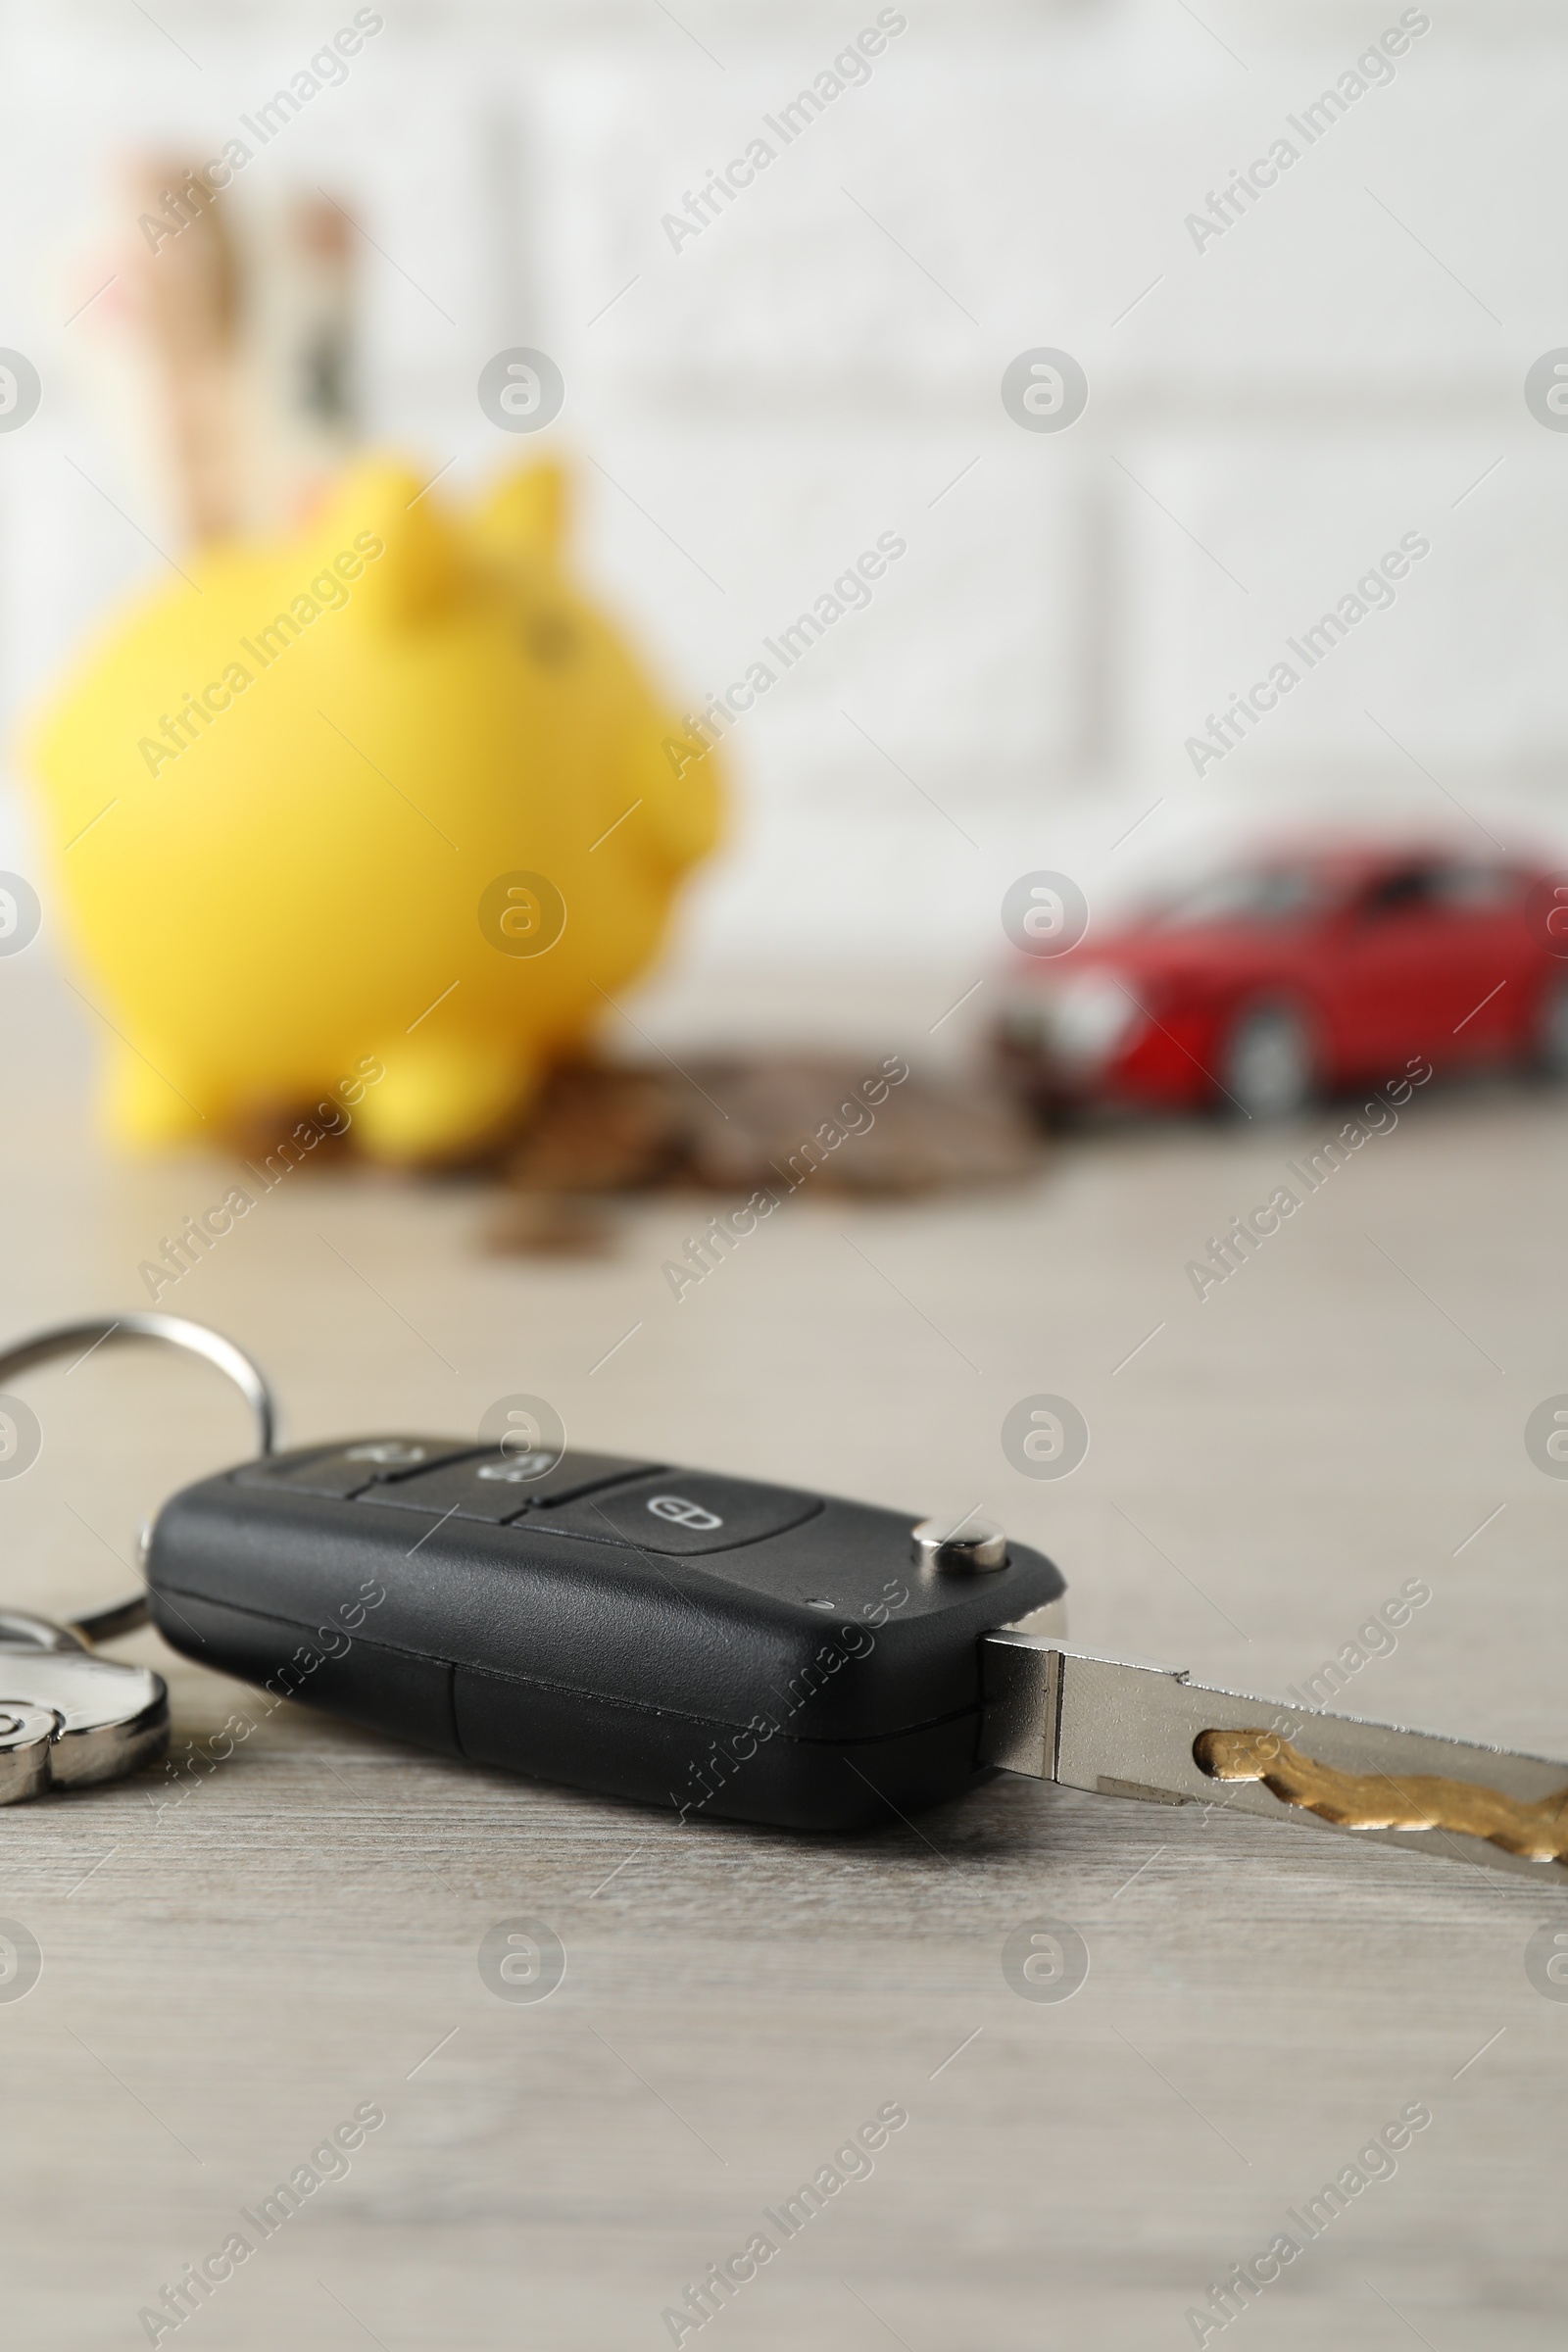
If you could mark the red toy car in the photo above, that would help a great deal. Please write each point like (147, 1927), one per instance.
(1296, 975)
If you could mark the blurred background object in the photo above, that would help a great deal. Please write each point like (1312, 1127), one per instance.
(761, 1127)
(306, 308)
(391, 795)
(186, 302)
(223, 343)
(1270, 984)
(764, 385)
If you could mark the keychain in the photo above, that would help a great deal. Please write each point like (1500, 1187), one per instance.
(688, 1639)
(69, 1717)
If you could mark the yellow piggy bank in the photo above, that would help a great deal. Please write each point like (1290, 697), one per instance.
(386, 796)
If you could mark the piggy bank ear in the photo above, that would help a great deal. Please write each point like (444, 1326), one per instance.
(395, 551)
(527, 511)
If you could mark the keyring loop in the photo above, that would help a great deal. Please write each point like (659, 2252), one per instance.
(173, 1331)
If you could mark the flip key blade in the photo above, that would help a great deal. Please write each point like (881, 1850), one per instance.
(1120, 1728)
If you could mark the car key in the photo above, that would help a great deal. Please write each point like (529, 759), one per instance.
(702, 1642)
(674, 1636)
(690, 1639)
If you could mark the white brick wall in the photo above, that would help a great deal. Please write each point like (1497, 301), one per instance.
(790, 383)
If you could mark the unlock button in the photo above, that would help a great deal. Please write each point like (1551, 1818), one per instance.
(683, 1512)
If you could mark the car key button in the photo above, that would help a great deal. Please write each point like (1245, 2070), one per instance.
(685, 1511)
(348, 1470)
(499, 1485)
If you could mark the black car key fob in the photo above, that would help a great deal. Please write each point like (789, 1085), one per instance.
(675, 1636)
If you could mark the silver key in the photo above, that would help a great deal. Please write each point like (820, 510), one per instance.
(1121, 1728)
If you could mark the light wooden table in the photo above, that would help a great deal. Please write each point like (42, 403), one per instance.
(223, 1983)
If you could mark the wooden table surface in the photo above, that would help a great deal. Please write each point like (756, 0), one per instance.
(227, 1980)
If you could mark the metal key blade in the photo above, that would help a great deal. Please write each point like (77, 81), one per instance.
(1121, 1728)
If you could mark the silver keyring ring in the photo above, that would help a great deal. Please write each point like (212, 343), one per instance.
(84, 1339)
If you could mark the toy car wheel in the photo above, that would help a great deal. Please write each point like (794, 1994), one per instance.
(1269, 1068)
(1551, 1030)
